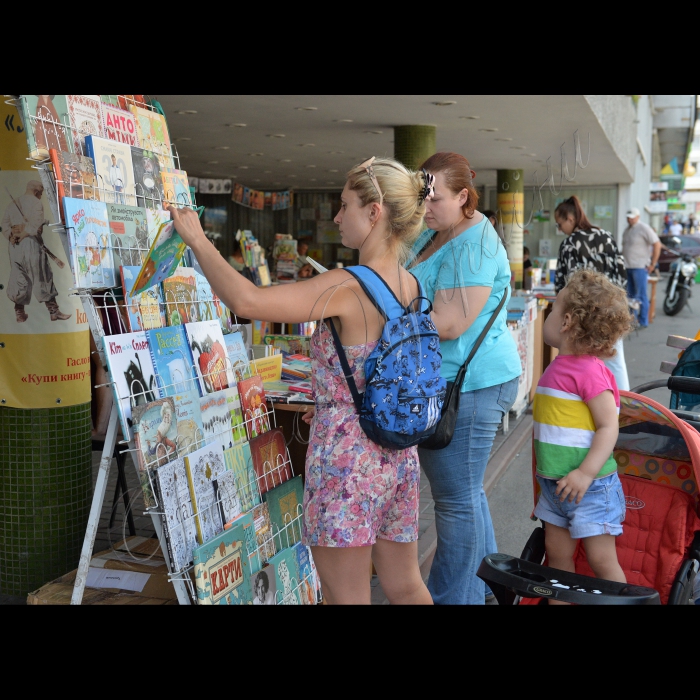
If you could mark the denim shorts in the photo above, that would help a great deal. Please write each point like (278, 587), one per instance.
(600, 512)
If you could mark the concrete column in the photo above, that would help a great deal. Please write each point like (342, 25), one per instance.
(414, 143)
(511, 208)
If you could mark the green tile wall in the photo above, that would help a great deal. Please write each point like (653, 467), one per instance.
(45, 493)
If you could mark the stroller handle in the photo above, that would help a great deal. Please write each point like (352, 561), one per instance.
(688, 385)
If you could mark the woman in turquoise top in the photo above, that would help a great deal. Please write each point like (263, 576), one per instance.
(463, 267)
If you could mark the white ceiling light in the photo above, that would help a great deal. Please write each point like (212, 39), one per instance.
(276, 136)
(223, 148)
(313, 179)
(187, 111)
(307, 109)
(333, 170)
(183, 138)
(518, 148)
(373, 132)
(501, 139)
(206, 172)
(445, 103)
(344, 121)
(488, 129)
(471, 116)
(212, 162)
(304, 145)
(291, 176)
(256, 154)
(330, 182)
(243, 167)
(239, 125)
(336, 153)
(310, 166)
(285, 160)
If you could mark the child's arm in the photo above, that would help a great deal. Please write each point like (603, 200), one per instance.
(604, 411)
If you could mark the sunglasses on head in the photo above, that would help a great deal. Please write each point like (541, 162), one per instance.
(367, 165)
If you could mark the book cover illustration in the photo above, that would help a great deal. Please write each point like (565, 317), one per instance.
(227, 497)
(246, 331)
(172, 360)
(307, 588)
(147, 178)
(263, 532)
(74, 175)
(284, 564)
(133, 376)
(246, 523)
(233, 402)
(119, 124)
(203, 467)
(153, 134)
(208, 351)
(289, 344)
(145, 310)
(253, 405)
(190, 433)
(264, 587)
(155, 218)
(46, 124)
(180, 295)
(162, 259)
(128, 230)
(270, 459)
(114, 170)
(239, 461)
(85, 116)
(155, 435)
(88, 233)
(209, 306)
(216, 420)
(221, 569)
(176, 187)
(175, 503)
(237, 355)
(285, 505)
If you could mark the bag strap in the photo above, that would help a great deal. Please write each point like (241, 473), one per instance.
(345, 365)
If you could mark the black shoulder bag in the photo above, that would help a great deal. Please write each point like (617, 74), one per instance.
(448, 419)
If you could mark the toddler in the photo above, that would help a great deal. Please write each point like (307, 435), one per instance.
(575, 416)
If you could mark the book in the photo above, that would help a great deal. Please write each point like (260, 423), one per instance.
(204, 296)
(155, 435)
(289, 344)
(146, 310)
(246, 331)
(180, 294)
(221, 569)
(46, 124)
(237, 355)
(74, 176)
(307, 586)
(233, 402)
(260, 330)
(133, 376)
(119, 124)
(268, 368)
(263, 533)
(128, 230)
(175, 504)
(190, 433)
(239, 461)
(87, 227)
(216, 420)
(208, 352)
(155, 218)
(227, 497)
(114, 169)
(264, 587)
(172, 360)
(176, 187)
(48, 180)
(162, 259)
(270, 459)
(85, 118)
(252, 394)
(147, 178)
(245, 522)
(284, 564)
(203, 466)
(284, 503)
(153, 133)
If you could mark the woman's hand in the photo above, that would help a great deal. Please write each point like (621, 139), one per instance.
(309, 415)
(187, 224)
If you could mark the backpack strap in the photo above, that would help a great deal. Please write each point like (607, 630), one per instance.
(345, 365)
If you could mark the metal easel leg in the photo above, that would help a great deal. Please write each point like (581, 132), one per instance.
(183, 597)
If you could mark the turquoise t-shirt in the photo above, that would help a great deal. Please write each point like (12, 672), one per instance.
(475, 258)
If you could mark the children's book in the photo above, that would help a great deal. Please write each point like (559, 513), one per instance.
(147, 178)
(176, 187)
(153, 133)
(46, 124)
(88, 233)
(289, 344)
(246, 331)
(285, 505)
(216, 420)
(203, 467)
(307, 587)
(233, 402)
(162, 259)
(246, 524)
(155, 218)
(114, 170)
(133, 376)
(239, 461)
(316, 579)
(172, 360)
(175, 502)
(270, 459)
(118, 124)
(227, 497)
(155, 436)
(180, 294)
(253, 405)
(237, 355)
(128, 230)
(190, 433)
(264, 587)
(208, 351)
(145, 310)
(284, 564)
(85, 118)
(263, 532)
(221, 569)
(74, 175)
(260, 330)
(206, 310)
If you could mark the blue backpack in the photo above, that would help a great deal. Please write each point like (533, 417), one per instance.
(404, 392)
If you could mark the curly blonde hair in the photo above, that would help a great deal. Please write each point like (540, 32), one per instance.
(599, 311)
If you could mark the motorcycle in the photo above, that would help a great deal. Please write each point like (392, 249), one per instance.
(681, 279)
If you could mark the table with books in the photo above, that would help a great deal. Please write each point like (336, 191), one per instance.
(218, 480)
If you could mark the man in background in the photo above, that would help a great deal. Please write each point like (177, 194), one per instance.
(640, 248)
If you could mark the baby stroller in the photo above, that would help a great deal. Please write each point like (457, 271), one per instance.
(658, 460)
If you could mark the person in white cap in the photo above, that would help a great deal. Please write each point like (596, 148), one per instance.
(640, 248)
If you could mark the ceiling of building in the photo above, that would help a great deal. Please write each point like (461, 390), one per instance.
(311, 141)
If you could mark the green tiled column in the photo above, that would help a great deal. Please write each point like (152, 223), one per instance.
(413, 144)
(511, 208)
(45, 493)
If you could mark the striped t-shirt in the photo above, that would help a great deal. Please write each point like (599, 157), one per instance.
(563, 423)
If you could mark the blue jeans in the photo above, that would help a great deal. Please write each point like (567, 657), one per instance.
(637, 289)
(462, 518)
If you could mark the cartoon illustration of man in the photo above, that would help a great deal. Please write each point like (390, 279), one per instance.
(116, 180)
(22, 224)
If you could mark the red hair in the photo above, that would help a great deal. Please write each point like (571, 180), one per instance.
(458, 176)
